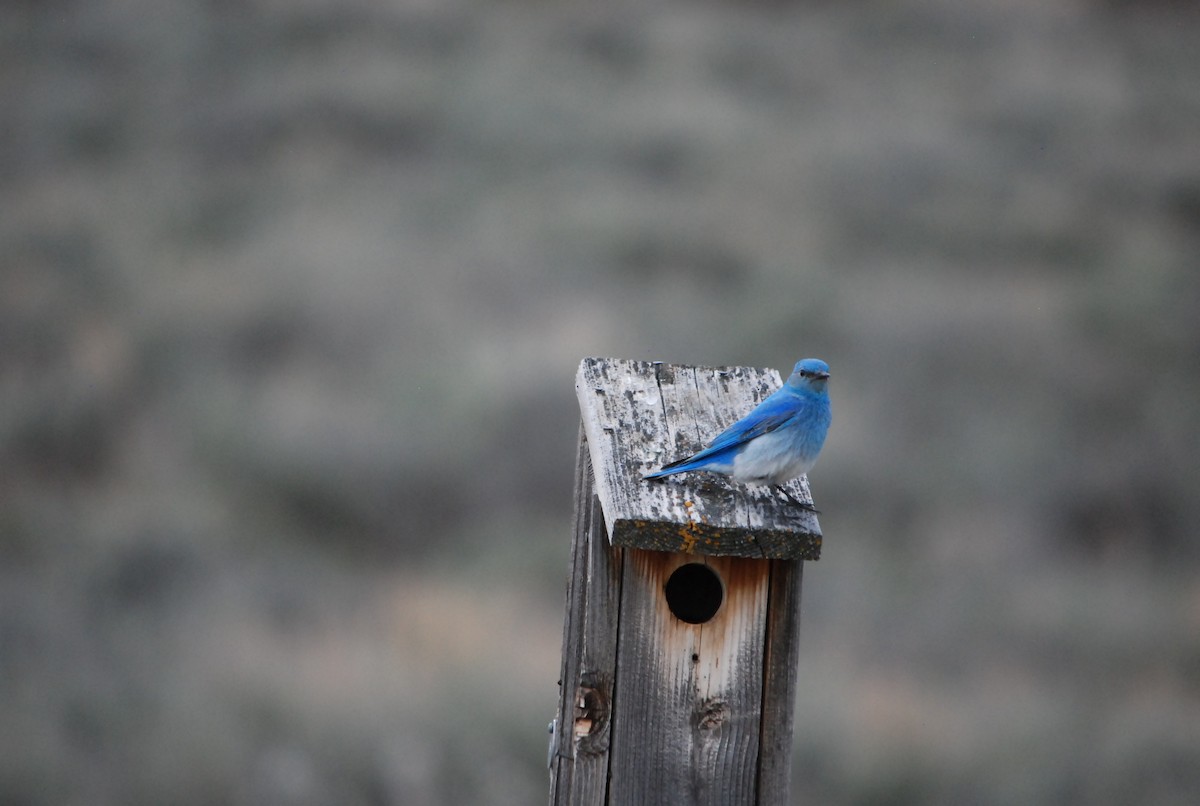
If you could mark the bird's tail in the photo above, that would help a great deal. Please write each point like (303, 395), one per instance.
(666, 470)
(700, 461)
(671, 468)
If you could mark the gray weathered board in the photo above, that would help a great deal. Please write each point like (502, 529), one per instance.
(638, 416)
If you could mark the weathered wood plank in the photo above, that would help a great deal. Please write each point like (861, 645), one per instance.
(687, 730)
(639, 415)
(580, 750)
(780, 661)
(561, 745)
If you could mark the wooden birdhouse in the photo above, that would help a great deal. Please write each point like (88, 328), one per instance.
(683, 600)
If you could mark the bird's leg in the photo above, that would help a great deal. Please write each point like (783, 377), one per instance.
(795, 502)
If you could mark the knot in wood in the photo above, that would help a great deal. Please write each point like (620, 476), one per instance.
(592, 710)
(712, 714)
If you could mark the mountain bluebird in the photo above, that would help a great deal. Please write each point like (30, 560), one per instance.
(776, 442)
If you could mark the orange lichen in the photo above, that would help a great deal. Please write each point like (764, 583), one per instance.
(687, 535)
(690, 533)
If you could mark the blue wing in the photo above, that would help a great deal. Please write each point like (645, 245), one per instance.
(772, 413)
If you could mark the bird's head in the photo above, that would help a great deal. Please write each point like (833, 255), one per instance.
(811, 374)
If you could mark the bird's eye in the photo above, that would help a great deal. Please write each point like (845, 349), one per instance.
(804, 373)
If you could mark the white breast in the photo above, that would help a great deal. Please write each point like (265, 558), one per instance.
(771, 459)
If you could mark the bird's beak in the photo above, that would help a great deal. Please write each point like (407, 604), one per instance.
(823, 376)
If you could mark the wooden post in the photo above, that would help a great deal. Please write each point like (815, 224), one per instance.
(683, 600)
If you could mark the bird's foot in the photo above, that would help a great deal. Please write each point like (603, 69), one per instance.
(797, 502)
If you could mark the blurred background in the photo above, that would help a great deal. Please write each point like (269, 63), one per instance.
(292, 295)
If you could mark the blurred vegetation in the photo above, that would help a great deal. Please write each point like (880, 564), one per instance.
(291, 299)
